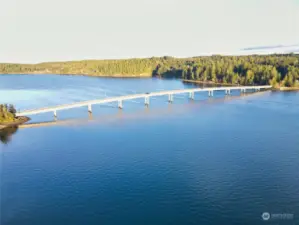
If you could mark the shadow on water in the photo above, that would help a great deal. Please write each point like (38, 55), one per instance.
(6, 134)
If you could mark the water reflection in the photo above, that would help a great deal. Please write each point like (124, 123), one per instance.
(6, 134)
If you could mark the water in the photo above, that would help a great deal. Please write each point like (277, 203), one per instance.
(209, 161)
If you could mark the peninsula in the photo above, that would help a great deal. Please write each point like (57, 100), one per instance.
(8, 116)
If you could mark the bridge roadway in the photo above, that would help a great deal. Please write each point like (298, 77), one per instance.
(146, 96)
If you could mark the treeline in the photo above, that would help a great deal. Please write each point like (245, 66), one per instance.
(7, 113)
(130, 67)
(277, 70)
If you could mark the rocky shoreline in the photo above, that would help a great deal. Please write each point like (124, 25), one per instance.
(19, 120)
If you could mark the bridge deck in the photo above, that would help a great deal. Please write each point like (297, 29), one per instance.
(134, 96)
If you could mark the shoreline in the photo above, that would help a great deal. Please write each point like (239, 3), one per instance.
(288, 89)
(19, 121)
(141, 76)
(85, 75)
(283, 89)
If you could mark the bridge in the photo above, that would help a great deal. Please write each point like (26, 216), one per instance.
(146, 96)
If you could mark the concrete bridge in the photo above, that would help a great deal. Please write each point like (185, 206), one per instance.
(146, 97)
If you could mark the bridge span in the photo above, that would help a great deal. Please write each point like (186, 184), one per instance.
(146, 97)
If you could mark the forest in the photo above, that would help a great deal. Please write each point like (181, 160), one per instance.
(278, 70)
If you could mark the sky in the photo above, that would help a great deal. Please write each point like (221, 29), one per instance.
(35, 31)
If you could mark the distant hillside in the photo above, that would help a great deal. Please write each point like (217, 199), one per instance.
(277, 70)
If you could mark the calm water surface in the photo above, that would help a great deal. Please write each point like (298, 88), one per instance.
(223, 160)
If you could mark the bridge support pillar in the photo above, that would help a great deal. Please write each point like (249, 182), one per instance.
(55, 114)
(90, 115)
(191, 95)
(210, 93)
(120, 104)
(170, 98)
(89, 108)
(227, 92)
(146, 101)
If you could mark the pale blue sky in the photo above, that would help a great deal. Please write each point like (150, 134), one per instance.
(55, 30)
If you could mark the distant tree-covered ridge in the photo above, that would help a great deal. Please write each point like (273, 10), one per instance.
(277, 70)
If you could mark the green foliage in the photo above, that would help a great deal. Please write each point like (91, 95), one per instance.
(278, 70)
(7, 113)
(289, 80)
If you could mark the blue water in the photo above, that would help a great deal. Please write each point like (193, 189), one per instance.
(223, 160)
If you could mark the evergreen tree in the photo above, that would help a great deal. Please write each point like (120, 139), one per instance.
(249, 77)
